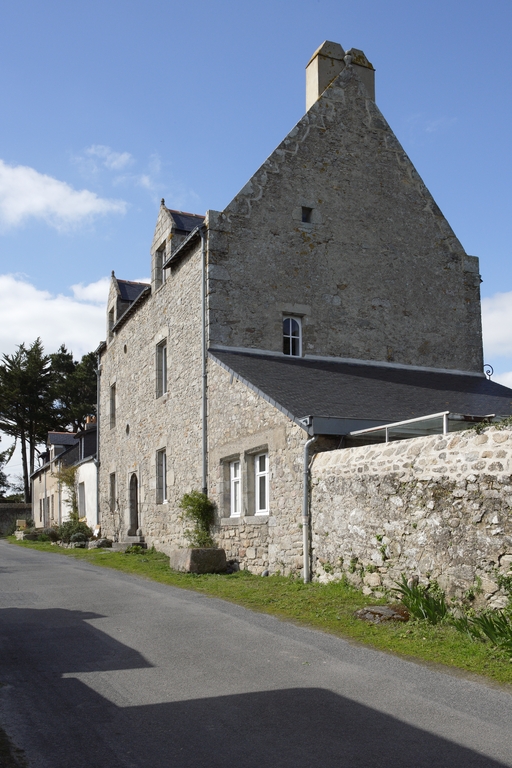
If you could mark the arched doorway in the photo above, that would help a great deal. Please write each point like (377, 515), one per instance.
(134, 506)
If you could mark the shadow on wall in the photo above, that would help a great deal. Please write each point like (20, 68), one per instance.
(62, 722)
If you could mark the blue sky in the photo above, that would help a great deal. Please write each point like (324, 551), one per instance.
(107, 107)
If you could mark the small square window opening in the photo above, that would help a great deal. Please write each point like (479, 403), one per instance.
(306, 215)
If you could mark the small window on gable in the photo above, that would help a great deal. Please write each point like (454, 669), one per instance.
(292, 336)
(161, 368)
(235, 488)
(160, 272)
(306, 215)
(261, 483)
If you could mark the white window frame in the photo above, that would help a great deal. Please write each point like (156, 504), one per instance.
(235, 488)
(291, 338)
(261, 475)
(161, 476)
(161, 368)
(81, 500)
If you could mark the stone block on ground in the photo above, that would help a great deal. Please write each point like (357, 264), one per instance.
(200, 560)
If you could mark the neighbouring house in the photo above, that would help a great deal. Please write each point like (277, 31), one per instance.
(329, 298)
(50, 497)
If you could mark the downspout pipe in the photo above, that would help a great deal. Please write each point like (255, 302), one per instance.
(305, 512)
(97, 459)
(204, 374)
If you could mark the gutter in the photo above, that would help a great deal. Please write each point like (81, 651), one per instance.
(305, 512)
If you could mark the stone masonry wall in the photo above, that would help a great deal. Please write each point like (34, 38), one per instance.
(438, 507)
(146, 423)
(240, 425)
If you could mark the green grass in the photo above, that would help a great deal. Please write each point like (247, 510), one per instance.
(328, 607)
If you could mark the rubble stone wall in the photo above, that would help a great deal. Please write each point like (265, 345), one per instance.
(240, 425)
(438, 507)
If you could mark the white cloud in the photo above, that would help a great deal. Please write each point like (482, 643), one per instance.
(26, 312)
(97, 292)
(497, 325)
(25, 193)
(114, 161)
(504, 378)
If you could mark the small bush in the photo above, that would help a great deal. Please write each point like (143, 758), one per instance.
(134, 549)
(199, 510)
(72, 527)
(51, 534)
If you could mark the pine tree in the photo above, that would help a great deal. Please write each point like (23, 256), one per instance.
(26, 405)
(74, 389)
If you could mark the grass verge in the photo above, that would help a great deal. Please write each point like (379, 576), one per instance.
(329, 607)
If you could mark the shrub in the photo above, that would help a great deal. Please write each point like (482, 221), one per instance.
(199, 510)
(134, 549)
(72, 527)
(51, 534)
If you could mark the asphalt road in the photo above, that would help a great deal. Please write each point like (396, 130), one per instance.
(102, 669)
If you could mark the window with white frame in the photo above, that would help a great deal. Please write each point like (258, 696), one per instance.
(161, 476)
(235, 489)
(261, 485)
(292, 336)
(81, 499)
(161, 368)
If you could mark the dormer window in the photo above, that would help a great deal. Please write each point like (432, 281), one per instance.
(292, 336)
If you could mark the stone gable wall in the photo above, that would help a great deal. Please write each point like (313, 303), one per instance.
(437, 507)
(377, 274)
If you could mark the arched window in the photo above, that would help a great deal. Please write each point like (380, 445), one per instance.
(292, 336)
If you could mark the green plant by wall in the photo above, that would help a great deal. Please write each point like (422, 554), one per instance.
(198, 510)
(422, 602)
(67, 477)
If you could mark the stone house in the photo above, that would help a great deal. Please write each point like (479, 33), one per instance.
(50, 498)
(329, 297)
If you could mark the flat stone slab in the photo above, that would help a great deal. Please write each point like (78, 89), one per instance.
(204, 560)
(377, 614)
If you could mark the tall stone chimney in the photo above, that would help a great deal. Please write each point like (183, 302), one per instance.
(327, 62)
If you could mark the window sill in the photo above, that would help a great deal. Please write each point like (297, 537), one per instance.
(248, 520)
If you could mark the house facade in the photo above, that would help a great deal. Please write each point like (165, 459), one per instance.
(329, 297)
(51, 503)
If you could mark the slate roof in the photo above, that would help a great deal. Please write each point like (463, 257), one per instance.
(343, 390)
(129, 290)
(62, 438)
(186, 221)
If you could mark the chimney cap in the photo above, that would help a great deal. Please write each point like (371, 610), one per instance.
(329, 49)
